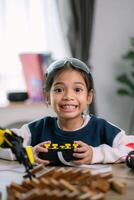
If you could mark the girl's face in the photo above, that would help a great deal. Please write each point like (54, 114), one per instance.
(68, 95)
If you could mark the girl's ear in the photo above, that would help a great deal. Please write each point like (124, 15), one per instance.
(47, 99)
(90, 96)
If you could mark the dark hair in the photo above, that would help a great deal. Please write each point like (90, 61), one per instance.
(49, 79)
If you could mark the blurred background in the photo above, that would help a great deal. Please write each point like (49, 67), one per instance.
(99, 32)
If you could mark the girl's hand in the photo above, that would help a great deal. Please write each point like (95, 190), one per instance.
(84, 153)
(40, 148)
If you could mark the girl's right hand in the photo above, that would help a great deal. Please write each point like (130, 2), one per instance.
(84, 153)
(40, 148)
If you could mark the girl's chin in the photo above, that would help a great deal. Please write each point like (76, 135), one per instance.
(69, 115)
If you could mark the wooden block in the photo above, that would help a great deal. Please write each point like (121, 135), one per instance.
(90, 193)
(18, 188)
(12, 194)
(54, 182)
(83, 177)
(31, 195)
(44, 181)
(118, 185)
(91, 196)
(37, 169)
(67, 185)
(106, 175)
(35, 183)
(58, 194)
(72, 195)
(62, 194)
(84, 196)
(84, 188)
(47, 173)
(99, 196)
(26, 184)
(102, 185)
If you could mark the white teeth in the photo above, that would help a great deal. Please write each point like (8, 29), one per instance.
(68, 106)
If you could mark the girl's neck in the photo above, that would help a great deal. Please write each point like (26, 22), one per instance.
(70, 124)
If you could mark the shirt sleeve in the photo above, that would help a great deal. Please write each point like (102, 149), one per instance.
(25, 133)
(122, 145)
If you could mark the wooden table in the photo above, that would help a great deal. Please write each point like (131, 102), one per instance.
(124, 173)
(12, 171)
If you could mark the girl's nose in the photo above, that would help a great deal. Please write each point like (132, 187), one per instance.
(68, 95)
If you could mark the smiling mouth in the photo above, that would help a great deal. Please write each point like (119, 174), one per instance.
(68, 108)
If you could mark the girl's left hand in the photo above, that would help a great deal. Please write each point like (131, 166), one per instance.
(84, 153)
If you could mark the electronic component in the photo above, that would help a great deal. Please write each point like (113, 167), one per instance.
(130, 160)
(8, 139)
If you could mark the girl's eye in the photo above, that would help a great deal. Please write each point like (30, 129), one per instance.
(78, 89)
(58, 90)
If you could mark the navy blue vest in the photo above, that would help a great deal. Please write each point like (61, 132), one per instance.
(98, 131)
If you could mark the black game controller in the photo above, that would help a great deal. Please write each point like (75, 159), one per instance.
(59, 154)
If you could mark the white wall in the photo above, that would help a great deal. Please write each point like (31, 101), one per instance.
(112, 29)
(26, 26)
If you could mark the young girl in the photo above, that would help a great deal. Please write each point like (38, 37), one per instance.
(69, 90)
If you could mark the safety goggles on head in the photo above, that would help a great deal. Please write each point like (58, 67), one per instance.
(73, 61)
